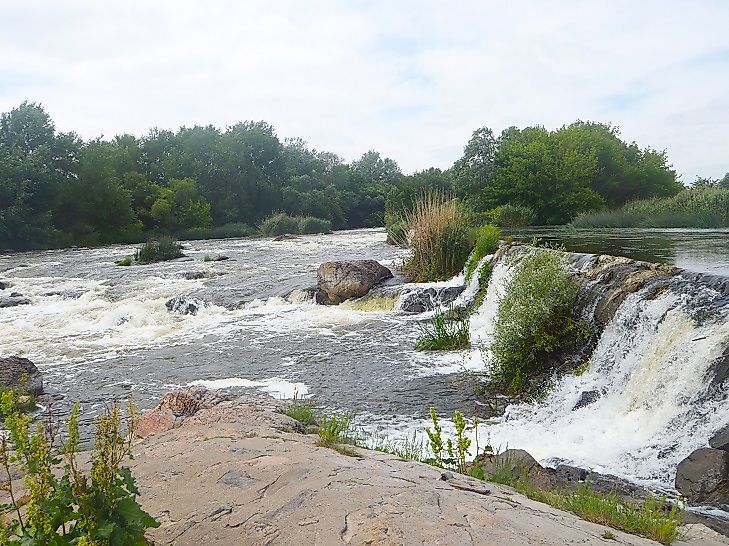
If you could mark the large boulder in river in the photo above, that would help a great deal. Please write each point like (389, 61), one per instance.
(184, 305)
(14, 300)
(20, 373)
(703, 476)
(341, 281)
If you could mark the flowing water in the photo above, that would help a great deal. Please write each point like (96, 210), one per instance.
(99, 331)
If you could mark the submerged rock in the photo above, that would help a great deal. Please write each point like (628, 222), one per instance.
(703, 476)
(586, 398)
(420, 300)
(285, 237)
(20, 373)
(217, 258)
(14, 301)
(184, 305)
(3, 285)
(343, 280)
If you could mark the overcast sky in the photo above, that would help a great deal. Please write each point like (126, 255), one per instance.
(409, 79)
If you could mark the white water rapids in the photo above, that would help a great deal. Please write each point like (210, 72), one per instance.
(98, 331)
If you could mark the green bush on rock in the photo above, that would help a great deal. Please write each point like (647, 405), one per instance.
(158, 250)
(445, 332)
(534, 320)
(487, 241)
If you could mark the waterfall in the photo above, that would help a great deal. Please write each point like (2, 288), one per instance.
(653, 382)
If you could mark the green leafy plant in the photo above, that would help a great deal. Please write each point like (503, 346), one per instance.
(124, 262)
(447, 331)
(487, 241)
(158, 250)
(62, 504)
(462, 443)
(438, 226)
(435, 439)
(336, 432)
(534, 320)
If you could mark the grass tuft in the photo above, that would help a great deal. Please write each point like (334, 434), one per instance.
(442, 334)
(301, 410)
(124, 262)
(336, 432)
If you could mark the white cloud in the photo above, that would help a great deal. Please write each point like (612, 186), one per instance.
(410, 79)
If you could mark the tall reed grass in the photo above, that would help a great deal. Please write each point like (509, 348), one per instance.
(438, 226)
(691, 208)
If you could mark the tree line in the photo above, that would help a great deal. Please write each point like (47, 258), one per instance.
(58, 190)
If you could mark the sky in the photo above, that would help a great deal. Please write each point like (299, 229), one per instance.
(409, 79)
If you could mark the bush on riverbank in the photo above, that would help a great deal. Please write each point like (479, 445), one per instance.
(487, 241)
(63, 504)
(535, 320)
(444, 333)
(511, 216)
(697, 208)
(439, 238)
(158, 250)
(281, 224)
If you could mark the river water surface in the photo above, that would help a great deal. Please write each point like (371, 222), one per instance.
(99, 332)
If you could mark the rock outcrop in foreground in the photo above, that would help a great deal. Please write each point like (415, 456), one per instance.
(216, 471)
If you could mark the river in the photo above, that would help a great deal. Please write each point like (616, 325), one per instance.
(99, 332)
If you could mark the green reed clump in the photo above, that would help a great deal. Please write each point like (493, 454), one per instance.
(446, 331)
(487, 241)
(281, 223)
(697, 208)
(535, 319)
(438, 227)
(158, 250)
(61, 503)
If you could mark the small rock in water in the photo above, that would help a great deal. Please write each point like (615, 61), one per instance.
(285, 237)
(13, 301)
(720, 440)
(3, 285)
(193, 275)
(586, 398)
(16, 295)
(20, 373)
(184, 305)
(217, 258)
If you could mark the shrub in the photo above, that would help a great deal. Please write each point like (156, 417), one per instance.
(512, 216)
(280, 223)
(487, 241)
(309, 224)
(443, 334)
(124, 261)
(76, 508)
(698, 208)
(438, 227)
(227, 231)
(534, 320)
(158, 250)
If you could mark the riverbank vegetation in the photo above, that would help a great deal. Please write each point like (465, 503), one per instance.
(197, 182)
(60, 502)
(282, 224)
(535, 321)
(703, 207)
(486, 242)
(158, 250)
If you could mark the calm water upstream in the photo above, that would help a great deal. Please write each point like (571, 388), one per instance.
(705, 250)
